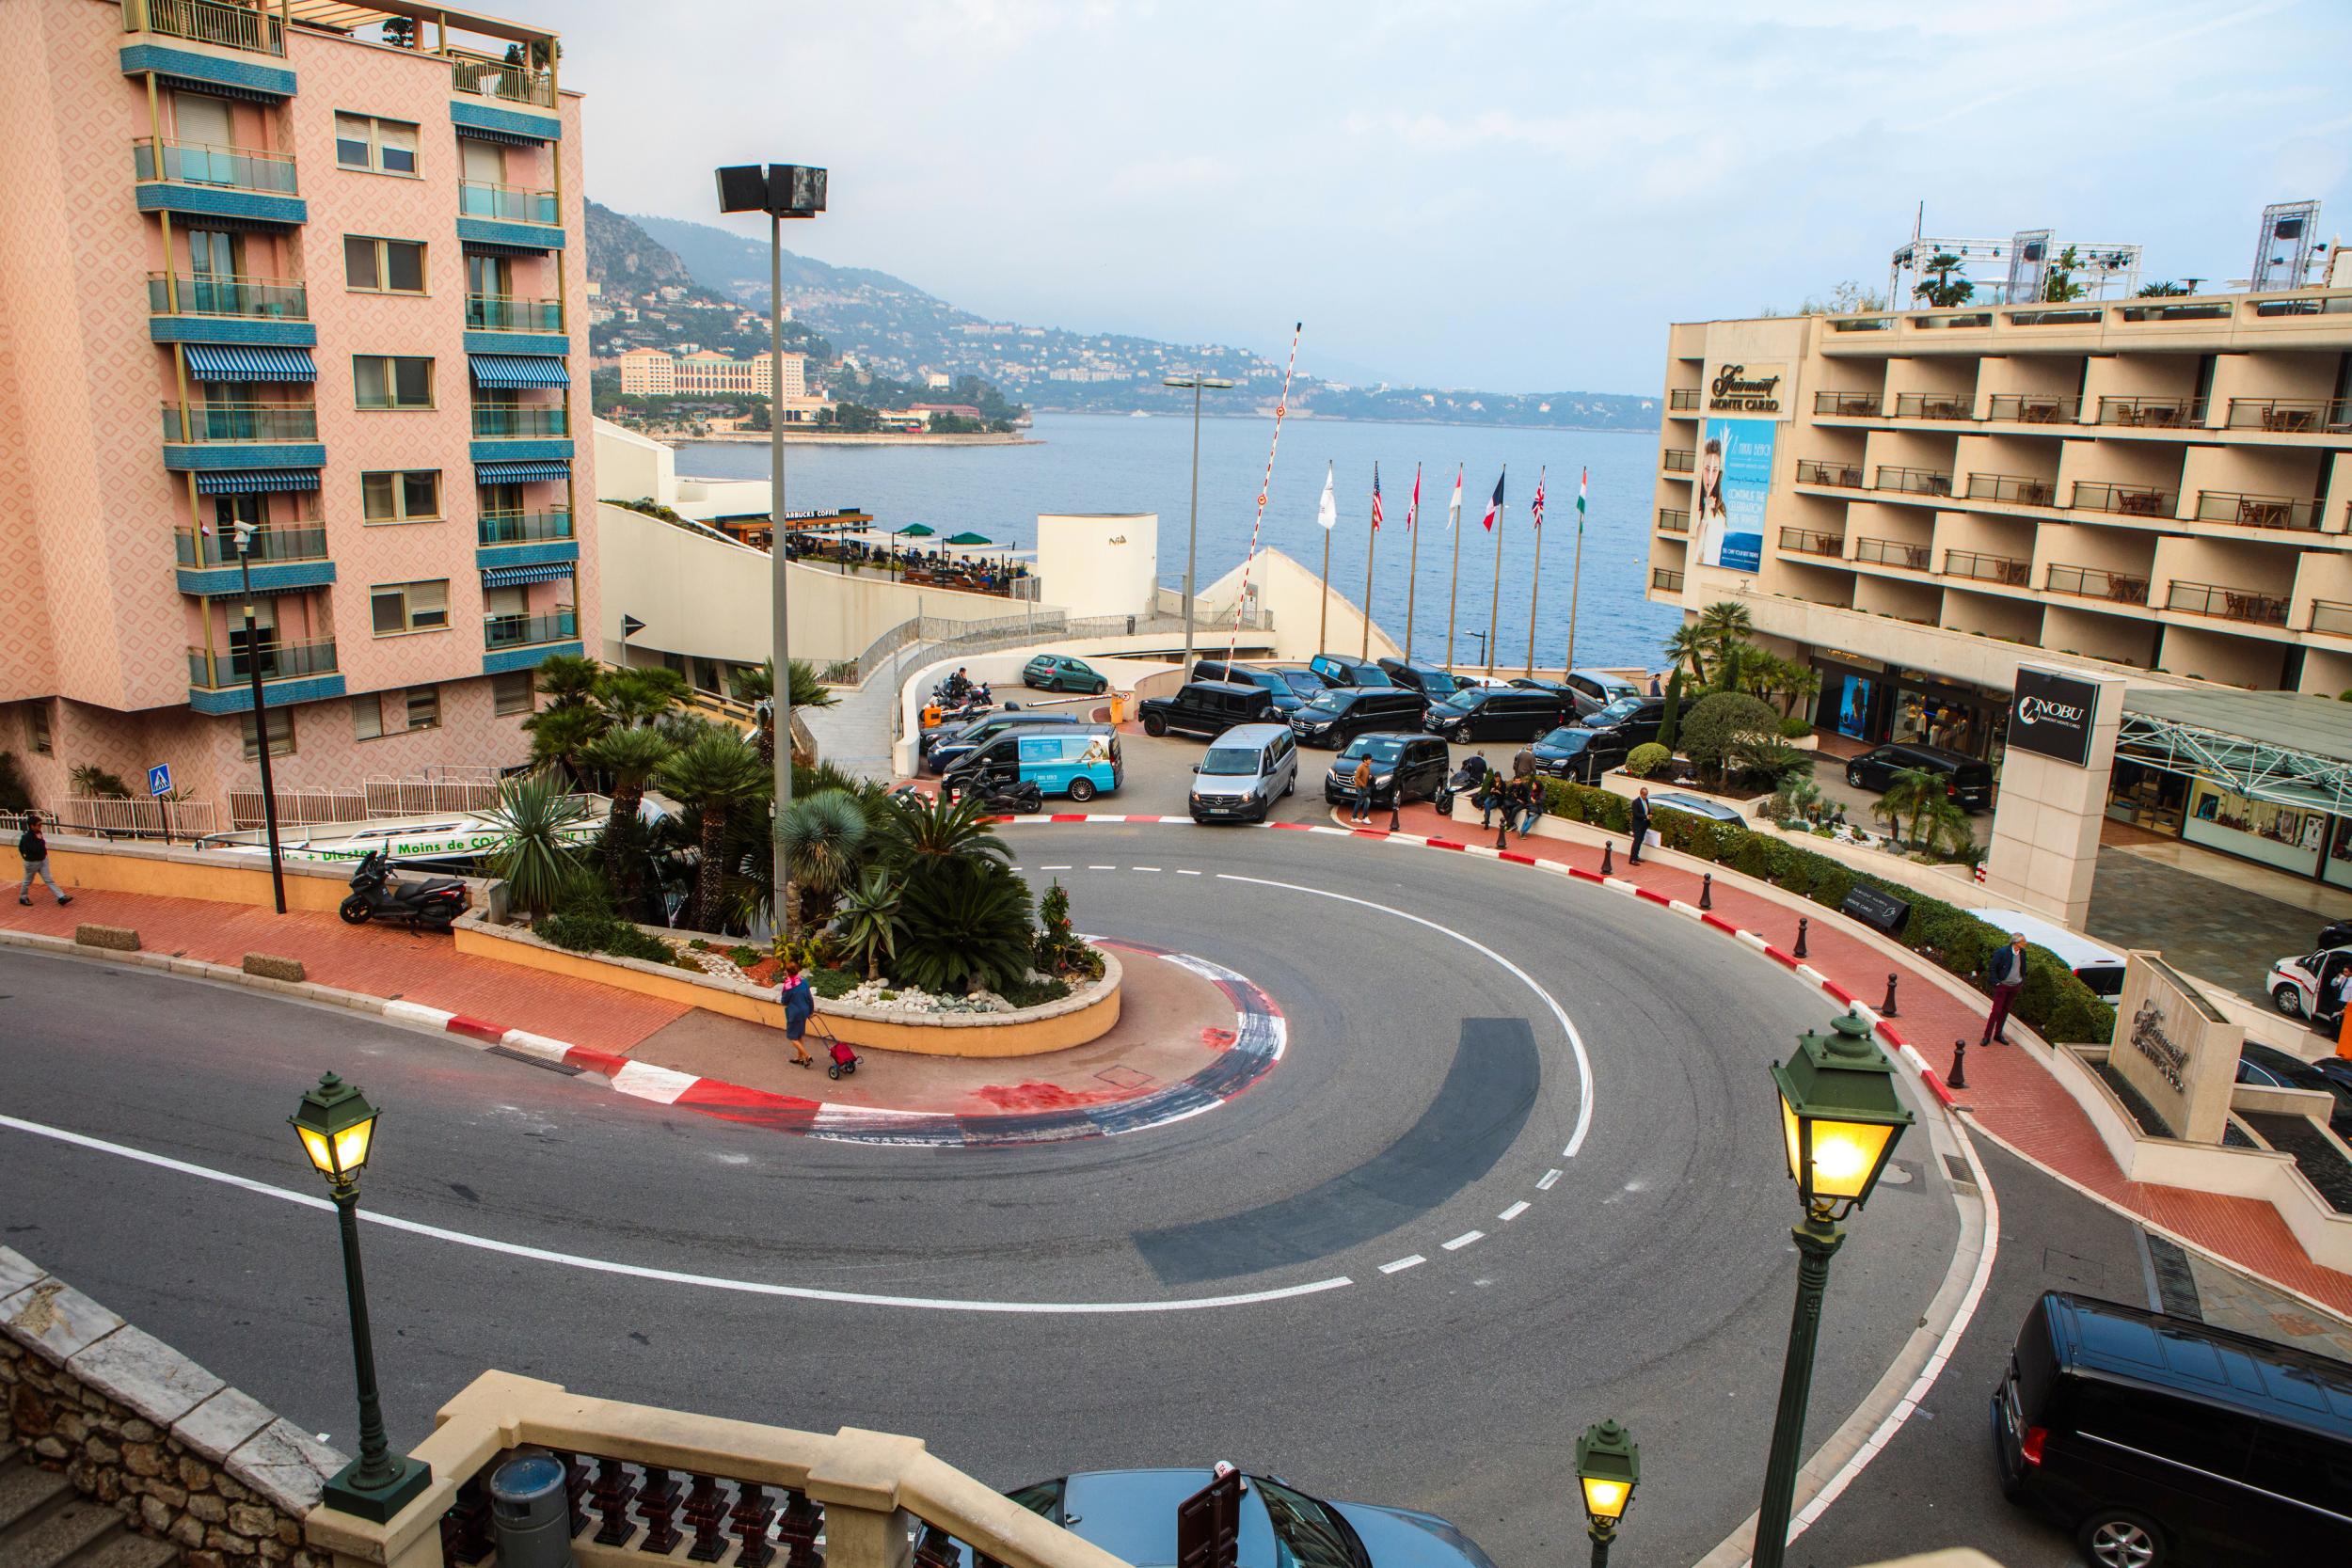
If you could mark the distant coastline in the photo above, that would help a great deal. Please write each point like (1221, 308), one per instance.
(843, 438)
(1362, 418)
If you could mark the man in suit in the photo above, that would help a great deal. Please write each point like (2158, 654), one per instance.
(2006, 971)
(1640, 825)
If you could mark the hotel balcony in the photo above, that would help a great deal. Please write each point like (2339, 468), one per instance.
(1914, 482)
(1673, 519)
(479, 199)
(2007, 570)
(1677, 460)
(2291, 416)
(2086, 582)
(2156, 413)
(1845, 476)
(490, 78)
(217, 22)
(2131, 500)
(220, 679)
(1664, 582)
(501, 632)
(2034, 408)
(1683, 399)
(1892, 553)
(2331, 618)
(2249, 605)
(216, 182)
(508, 313)
(2231, 506)
(1806, 541)
(1848, 405)
(279, 558)
(2015, 489)
(1932, 405)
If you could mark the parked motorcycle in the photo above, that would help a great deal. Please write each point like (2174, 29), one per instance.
(1019, 798)
(1469, 776)
(429, 906)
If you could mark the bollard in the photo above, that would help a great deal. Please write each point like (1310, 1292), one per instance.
(1706, 890)
(1802, 923)
(1503, 831)
(1887, 1009)
(1606, 868)
(1395, 824)
(1958, 1078)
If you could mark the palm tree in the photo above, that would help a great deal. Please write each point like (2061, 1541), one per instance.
(533, 853)
(566, 680)
(823, 838)
(716, 777)
(639, 696)
(630, 757)
(1725, 622)
(870, 922)
(559, 734)
(758, 687)
(1689, 643)
(1909, 795)
(935, 832)
(968, 924)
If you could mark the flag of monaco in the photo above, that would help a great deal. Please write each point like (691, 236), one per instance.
(1454, 507)
(1494, 502)
(1412, 508)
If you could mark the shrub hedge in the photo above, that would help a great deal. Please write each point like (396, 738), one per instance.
(2053, 1002)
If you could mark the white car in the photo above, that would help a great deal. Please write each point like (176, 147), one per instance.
(2295, 982)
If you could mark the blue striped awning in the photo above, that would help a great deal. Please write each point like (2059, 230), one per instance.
(242, 362)
(518, 370)
(507, 138)
(514, 576)
(520, 473)
(246, 481)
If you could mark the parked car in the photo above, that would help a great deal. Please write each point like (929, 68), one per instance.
(1713, 810)
(1573, 752)
(1206, 708)
(1404, 768)
(2158, 1440)
(1965, 780)
(945, 746)
(1131, 1516)
(1433, 682)
(1495, 713)
(1338, 716)
(1590, 690)
(2271, 1067)
(2296, 984)
(1077, 760)
(1633, 720)
(1059, 673)
(1276, 684)
(2336, 933)
(1339, 670)
(2100, 968)
(1244, 773)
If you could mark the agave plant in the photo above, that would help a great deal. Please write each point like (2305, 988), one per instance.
(968, 924)
(870, 921)
(533, 855)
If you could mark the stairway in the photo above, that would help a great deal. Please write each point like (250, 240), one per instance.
(44, 1523)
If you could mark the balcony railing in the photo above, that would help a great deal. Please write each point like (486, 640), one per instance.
(1892, 553)
(2158, 413)
(2006, 570)
(1862, 323)
(1676, 461)
(493, 79)
(1806, 541)
(2308, 305)
(1813, 470)
(521, 631)
(2202, 311)
(2082, 315)
(268, 544)
(2231, 506)
(2016, 489)
(501, 421)
(2035, 408)
(237, 168)
(220, 669)
(1673, 519)
(2332, 616)
(2294, 416)
(506, 313)
(480, 199)
(1666, 581)
(1846, 406)
(2088, 582)
(523, 528)
(213, 22)
(240, 421)
(209, 294)
(1916, 482)
(2132, 500)
(2228, 604)
(1933, 406)
(1683, 399)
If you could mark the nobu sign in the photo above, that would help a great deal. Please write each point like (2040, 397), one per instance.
(2052, 716)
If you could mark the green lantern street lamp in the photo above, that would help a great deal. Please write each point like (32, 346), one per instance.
(1841, 1119)
(336, 1125)
(1608, 1468)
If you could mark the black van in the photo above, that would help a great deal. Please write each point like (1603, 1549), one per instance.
(2160, 1440)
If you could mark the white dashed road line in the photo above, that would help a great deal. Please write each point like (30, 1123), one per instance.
(1053, 868)
(1514, 1211)
(1188, 873)
(1101, 868)
(1465, 1239)
(1549, 1177)
(1402, 1263)
(1143, 868)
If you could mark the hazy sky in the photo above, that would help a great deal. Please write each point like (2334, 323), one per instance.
(1470, 193)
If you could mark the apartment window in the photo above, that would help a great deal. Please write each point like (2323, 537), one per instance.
(405, 606)
(383, 266)
(37, 735)
(383, 145)
(510, 692)
(412, 496)
(367, 718)
(389, 381)
(282, 734)
(425, 707)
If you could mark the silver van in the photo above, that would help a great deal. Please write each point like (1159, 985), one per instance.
(1244, 772)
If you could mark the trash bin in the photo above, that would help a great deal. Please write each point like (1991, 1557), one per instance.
(530, 1512)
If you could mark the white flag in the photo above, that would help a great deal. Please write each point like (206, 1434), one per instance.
(1454, 507)
(1328, 512)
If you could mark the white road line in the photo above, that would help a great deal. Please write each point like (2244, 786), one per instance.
(1402, 1263)
(1143, 868)
(674, 1276)
(1576, 1042)
(1184, 872)
(1465, 1239)
(1101, 868)
(1549, 1177)
(1053, 868)
(1514, 1211)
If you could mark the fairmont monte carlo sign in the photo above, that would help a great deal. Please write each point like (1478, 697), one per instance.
(1735, 389)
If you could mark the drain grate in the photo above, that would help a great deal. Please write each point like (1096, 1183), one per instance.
(1956, 1168)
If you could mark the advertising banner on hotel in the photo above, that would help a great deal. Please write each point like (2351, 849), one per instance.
(1735, 475)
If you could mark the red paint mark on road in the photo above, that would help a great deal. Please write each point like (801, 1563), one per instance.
(1445, 843)
(1778, 956)
(1216, 1038)
(476, 1028)
(1721, 924)
(1295, 826)
(594, 1061)
(1651, 894)
(1839, 992)
(1935, 1086)
(1514, 857)
(1068, 817)
(1886, 1031)
(1042, 1096)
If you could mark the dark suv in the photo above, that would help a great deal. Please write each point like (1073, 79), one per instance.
(1207, 707)
(1288, 688)
(1428, 679)
(1339, 670)
(1965, 780)
(1497, 713)
(1338, 716)
(1632, 721)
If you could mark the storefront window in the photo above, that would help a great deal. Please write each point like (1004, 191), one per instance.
(1924, 718)
(2339, 866)
(1850, 713)
(2289, 837)
(2147, 798)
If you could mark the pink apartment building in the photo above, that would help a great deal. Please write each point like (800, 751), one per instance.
(259, 264)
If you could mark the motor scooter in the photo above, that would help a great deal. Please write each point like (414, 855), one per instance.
(1469, 776)
(430, 906)
(1022, 797)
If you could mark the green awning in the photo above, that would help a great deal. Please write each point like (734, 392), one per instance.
(970, 539)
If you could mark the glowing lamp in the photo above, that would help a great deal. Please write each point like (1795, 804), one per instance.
(335, 1124)
(1608, 1468)
(1839, 1115)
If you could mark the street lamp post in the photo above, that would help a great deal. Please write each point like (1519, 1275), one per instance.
(1841, 1119)
(337, 1124)
(260, 718)
(1607, 1468)
(1192, 530)
(780, 191)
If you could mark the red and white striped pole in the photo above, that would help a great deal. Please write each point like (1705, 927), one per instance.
(1281, 408)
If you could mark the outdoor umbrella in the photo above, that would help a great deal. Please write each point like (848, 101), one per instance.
(970, 539)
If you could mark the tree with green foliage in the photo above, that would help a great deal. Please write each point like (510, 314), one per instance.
(1907, 799)
(923, 835)
(823, 837)
(968, 924)
(760, 687)
(717, 776)
(1690, 643)
(566, 680)
(90, 781)
(2058, 284)
(562, 734)
(640, 694)
(1718, 722)
(630, 758)
(870, 922)
(2162, 291)
(1725, 622)
(533, 853)
(1941, 290)
(1670, 726)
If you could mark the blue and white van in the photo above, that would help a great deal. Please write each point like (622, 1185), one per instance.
(1077, 760)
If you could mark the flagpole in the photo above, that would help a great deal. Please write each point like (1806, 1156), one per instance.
(1576, 574)
(1282, 406)
(1494, 610)
(1412, 566)
(1324, 627)
(1534, 579)
(1453, 592)
(1372, 540)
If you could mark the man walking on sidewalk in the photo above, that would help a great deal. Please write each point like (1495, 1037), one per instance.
(35, 849)
(2007, 973)
(1640, 825)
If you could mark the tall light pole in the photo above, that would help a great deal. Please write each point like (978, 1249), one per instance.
(1192, 530)
(780, 191)
(260, 717)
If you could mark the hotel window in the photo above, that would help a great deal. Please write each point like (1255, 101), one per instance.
(405, 606)
(384, 146)
(37, 728)
(281, 735)
(367, 718)
(383, 266)
(385, 381)
(410, 497)
(425, 707)
(509, 692)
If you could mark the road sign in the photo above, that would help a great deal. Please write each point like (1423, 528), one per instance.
(159, 779)
(631, 625)
(1208, 1524)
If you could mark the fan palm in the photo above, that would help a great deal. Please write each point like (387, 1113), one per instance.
(717, 776)
(1909, 796)
(629, 757)
(1688, 643)
(870, 922)
(823, 839)
(938, 831)
(533, 853)
(967, 924)
(758, 687)
(560, 733)
(639, 696)
(566, 680)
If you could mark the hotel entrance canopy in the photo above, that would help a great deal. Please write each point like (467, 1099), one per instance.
(2292, 748)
